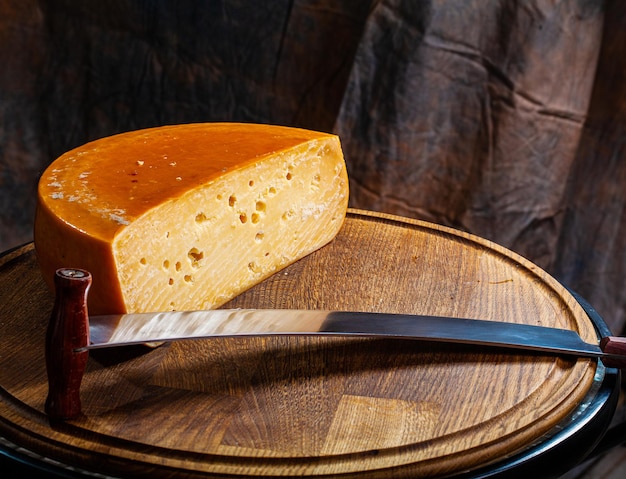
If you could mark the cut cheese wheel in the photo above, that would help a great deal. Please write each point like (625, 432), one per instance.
(188, 216)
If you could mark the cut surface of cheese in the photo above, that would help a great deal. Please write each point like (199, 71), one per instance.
(186, 217)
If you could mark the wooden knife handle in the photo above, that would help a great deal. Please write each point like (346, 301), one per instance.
(614, 345)
(68, 330)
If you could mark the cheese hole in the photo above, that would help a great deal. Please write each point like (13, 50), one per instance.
(232, 200)
(259, 237)
(166, 264)
(219, 197)
(255, 218)
(260, 206)
(251, 183)
(142, 261)
(289, 176)
(243, 218)
(323, 151)
(195, 256)
(178, 265)
(171, 281)
(188, 278)
(201, 218)
(272, 191)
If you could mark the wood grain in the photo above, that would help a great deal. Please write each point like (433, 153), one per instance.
(312, 406)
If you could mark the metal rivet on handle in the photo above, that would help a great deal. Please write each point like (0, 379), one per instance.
(73, 273)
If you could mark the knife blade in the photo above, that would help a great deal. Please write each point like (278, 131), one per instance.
(72, 333)
(128, 329)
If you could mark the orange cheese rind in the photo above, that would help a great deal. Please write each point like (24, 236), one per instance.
(188, 216)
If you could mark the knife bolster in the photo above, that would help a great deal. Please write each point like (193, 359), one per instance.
(68, 330)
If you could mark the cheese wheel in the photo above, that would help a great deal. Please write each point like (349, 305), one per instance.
(186, 217)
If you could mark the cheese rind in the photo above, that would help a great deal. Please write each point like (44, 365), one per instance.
(188, 216)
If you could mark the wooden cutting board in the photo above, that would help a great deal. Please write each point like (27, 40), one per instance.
(311, 406)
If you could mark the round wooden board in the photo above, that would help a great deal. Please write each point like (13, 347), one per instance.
(312, 406)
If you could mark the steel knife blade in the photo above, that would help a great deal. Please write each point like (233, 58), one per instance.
(126, 329)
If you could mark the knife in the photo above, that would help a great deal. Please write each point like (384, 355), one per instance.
(72, 334)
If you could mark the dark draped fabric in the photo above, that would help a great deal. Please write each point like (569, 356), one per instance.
(503, 118)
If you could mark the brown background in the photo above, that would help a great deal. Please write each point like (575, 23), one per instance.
(498, 117)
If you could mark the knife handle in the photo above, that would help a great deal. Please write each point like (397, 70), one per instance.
(614, 345)
(68, 330)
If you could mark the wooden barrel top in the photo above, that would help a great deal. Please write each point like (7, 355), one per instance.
(311, 406)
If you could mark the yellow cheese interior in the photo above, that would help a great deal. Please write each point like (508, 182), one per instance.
(187, 217)
(231, 233)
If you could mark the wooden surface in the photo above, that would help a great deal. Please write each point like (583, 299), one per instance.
(305, 406)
